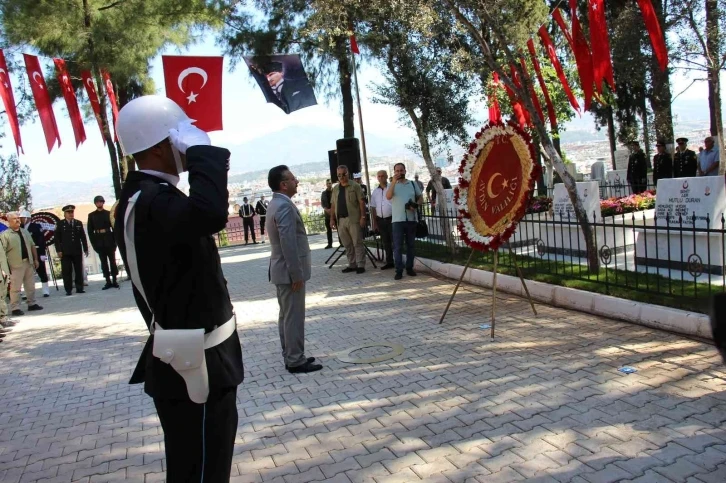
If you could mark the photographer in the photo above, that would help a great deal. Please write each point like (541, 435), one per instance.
(405, 198)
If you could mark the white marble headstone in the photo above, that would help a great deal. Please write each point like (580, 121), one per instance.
(618, 185)
(704, 196)
(589, 192)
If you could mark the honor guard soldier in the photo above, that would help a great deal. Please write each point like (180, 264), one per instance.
(71, 245)
(192, 363)
(261, 210)
(637, 168)
(685, 162)
(662, 164)
(38, 234)
(103, 241)
(247, 212)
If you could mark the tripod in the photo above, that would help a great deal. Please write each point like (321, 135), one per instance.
(341, 249)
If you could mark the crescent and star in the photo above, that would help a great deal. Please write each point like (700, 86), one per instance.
(490, 184)
(192, 97)
(36, 80)
(6, 74)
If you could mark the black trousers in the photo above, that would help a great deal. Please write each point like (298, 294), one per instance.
(70, 265)
(385, 228)
(42, 272)
(328, 231)
(108, 262)
(199, 438)
(262, 225)
(249, 224)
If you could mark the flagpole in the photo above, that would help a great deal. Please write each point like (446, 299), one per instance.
(360, 122)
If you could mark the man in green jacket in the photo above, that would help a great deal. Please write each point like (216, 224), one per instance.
(22, 260)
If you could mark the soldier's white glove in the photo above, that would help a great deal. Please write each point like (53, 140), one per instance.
(44, 258)
(187, 135)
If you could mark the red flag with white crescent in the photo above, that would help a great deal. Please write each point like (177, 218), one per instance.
(69, 94)
(600, 43)
(495, 113)
(550, 48)
(195, 83)
(587, 89)
(532, 92)
(111, 98)
(42, 101)
(655, 32)
(93, 97)
(538, 71)
(519, 112)
(6, 93)
(583, 58)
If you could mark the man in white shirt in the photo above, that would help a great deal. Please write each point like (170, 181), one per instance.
(381, 215)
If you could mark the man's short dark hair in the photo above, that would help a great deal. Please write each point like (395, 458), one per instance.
(328, 181)
(342, 166)
(276, 176)
(394, 166)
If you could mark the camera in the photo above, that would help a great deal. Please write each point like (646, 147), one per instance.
(411, 205)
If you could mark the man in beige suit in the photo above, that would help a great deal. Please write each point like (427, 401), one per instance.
(23, 260)
(4, 279)
(289, 268)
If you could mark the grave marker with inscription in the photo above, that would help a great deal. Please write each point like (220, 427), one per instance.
(682, 197)
(589, 192)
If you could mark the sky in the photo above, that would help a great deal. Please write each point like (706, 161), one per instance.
(246, 116)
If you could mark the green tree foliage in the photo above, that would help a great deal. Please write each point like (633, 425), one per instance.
(14, 184)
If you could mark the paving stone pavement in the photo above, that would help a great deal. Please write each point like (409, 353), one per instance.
(544, 402)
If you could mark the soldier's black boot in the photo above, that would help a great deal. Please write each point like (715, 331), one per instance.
(115, 283)
(108, 284)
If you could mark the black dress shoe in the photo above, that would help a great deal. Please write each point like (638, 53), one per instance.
(328, 246)
(254, 243)
(349, 269)
(34, 307)
(310, 359)
(46, 295)
(80, 291)
(360, 270)
(305, 368)
(107, 286)
(69, 293)
(387, 266)
(398, 276)
(18, 312)
(410, 272)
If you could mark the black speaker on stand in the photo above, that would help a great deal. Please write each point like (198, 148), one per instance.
(349, 154)
(333, 162)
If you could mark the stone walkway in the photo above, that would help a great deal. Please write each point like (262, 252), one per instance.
(545, 402)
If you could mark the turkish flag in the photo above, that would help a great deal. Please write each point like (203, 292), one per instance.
(654, 31)
(354, 45)
(532, 92)
(93, 97)
(583, 57)
(519, 113)
(69, 94)
(601, 61)
(6, 92)
(495, 114)
(112, 99)
(195, 83)
(42, 101)
(581, 69)
(538, 71)
(550, 48)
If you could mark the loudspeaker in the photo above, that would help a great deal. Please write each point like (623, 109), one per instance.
(349, 154)
(333, 162)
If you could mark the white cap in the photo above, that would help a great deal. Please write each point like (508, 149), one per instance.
(145, 122)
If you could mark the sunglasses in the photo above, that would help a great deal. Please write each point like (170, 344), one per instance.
(342, 175)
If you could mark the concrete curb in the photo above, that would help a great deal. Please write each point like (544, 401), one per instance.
(656, 316)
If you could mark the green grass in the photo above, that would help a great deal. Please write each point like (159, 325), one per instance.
(650, 288)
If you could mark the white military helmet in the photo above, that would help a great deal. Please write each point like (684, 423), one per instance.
(145, 121)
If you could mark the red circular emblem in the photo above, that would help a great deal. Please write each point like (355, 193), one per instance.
(497, 177)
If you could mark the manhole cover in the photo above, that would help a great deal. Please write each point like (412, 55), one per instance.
(371, 353)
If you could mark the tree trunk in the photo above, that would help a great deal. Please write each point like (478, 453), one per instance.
(714, 81)
(660, 99)
(611, 135)
(646, 131)
(346, 87)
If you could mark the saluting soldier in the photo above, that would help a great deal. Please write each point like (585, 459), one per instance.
(637, 168)
(103, 241)
(685, 161)
(192, 364)
(261, 210)
(662, 164)
(71, 245)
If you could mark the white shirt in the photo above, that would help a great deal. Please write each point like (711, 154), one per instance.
(169, 178)
(381, 203)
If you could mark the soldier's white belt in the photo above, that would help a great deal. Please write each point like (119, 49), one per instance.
(183, 350)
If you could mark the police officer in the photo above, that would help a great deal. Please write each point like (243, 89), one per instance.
(103, 241)
(261, 210)
(637, 168)
(662, 163)
(685, 162)
(166, 241)
(38, 234)
(71, 244)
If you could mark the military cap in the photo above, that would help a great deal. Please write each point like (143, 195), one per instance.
(69, 208)
(98, 198)
(685, 140)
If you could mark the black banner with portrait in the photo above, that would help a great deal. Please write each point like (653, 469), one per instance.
(283, 81)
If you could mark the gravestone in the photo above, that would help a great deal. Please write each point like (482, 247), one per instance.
(621, 159)
(618, 185)
(682, 197)
(589, 194)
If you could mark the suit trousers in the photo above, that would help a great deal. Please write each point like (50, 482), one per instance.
(22, 275)
(3, 305)
(108, 259)
(385, 228)
(249, 224)
(328, 230)
(291, 324)
(199, 438)
(42, 272)
(403, 230)
(351, 236)
(262, 226)
(72, 265)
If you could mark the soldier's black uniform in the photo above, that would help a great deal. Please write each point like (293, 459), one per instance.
(638, 171)
(261, 210)
(247, 213)
(38, 235)
(685, 164)
(662, 167)
(103, 242)
(181, 273)
(70, 240)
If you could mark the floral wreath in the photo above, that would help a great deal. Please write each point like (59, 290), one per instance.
(475, 232)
